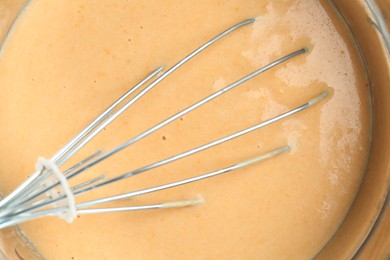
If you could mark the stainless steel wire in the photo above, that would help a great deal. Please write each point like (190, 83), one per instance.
(31, 200)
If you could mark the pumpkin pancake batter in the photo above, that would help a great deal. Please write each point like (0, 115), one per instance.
(66, 61)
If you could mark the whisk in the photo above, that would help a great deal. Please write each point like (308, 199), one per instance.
(47, 191)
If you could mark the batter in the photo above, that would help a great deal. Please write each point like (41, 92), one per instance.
(66, 61)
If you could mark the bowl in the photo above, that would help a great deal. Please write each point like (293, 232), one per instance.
(358, 234)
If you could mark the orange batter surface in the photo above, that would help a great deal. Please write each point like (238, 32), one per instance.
(66, 61)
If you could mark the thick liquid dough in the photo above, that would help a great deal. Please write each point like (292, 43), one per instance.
(66, 61)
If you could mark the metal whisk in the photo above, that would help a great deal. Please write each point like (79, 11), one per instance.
(48, 193)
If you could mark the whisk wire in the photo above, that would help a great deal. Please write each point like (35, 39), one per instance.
(22, 216)
(237, 166)
(43, 195)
